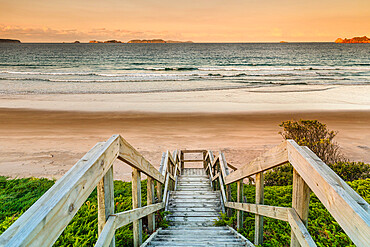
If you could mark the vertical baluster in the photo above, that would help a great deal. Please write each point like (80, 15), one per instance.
(239, 216)
(300, 202)
(258, 235)
(150, 200)
(105, 190)
(136, 203)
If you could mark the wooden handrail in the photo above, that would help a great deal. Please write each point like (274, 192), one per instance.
(274, 157)
(46, 219)
(344, 204)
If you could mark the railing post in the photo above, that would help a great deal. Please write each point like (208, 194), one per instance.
(182, 160)
(159, 191)
(300, 202)
(150, 200)
(105, 190)
(204, 159)
(228, 198)
(136, 203)
(258, 230)
(239, 214)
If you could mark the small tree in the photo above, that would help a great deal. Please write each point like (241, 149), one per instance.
(316, 136)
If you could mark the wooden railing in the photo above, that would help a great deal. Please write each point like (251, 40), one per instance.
(45, 220)
(349, 209)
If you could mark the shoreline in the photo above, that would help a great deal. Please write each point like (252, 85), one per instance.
(47, 143)
(268, 99)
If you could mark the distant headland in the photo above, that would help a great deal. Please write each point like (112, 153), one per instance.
(353, 40)
(159, 41)
(9, 41)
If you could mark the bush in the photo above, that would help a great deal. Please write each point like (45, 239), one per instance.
(314, 135)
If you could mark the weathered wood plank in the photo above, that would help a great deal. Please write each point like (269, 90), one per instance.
(105, 196)
(239, 195)
(166, 188)
(300, 231)
(107, 235)
(193, 151)
(215, 177)
(150, 200)
(132, 157)
(136, 203)
(274, 157)
(223, 165)
(258, 233)
(280, 213)
(360, 201)
(335, 198)
(300, 202)
(46, 219)
(192, 161)
(130, 216)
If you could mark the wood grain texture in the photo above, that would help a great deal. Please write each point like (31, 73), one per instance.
(128, 154)
(130, 216)
(137, 229)
(258, 233)
(299, 229)
(279, 213)
(150, 200)
(274, 157)
(46, 219)
(239, 198)
(107, 235)
(105, 198)
(341, 205)
(300, 202)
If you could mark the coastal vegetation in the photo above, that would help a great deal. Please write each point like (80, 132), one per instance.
(17, 195)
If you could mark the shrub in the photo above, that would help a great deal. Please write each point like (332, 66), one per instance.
(314, 135)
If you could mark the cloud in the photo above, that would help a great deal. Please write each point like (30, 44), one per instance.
(46, 34)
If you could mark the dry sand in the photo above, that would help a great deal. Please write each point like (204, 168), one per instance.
(48, 143)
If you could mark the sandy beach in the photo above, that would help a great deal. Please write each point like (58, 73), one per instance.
(48, 143)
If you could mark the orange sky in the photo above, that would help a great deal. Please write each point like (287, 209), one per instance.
(196, 20)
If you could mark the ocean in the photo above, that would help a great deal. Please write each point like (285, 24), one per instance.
(139, 68)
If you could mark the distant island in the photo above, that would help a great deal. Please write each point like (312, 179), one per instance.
(156, 41)
(146, 41)
(353, 40)
(9, 41)
(107, 41)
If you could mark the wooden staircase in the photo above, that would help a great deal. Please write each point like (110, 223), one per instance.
(194, 196)
(194, 207)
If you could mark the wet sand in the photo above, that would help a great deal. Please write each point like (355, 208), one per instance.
(48, 143)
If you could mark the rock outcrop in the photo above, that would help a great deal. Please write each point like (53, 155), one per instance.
(9, 41)
(353, 40)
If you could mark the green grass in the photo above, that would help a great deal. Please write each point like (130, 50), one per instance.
(17, 195)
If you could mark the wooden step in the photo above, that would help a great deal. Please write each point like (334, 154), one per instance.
(195, 214)
(196, 244)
